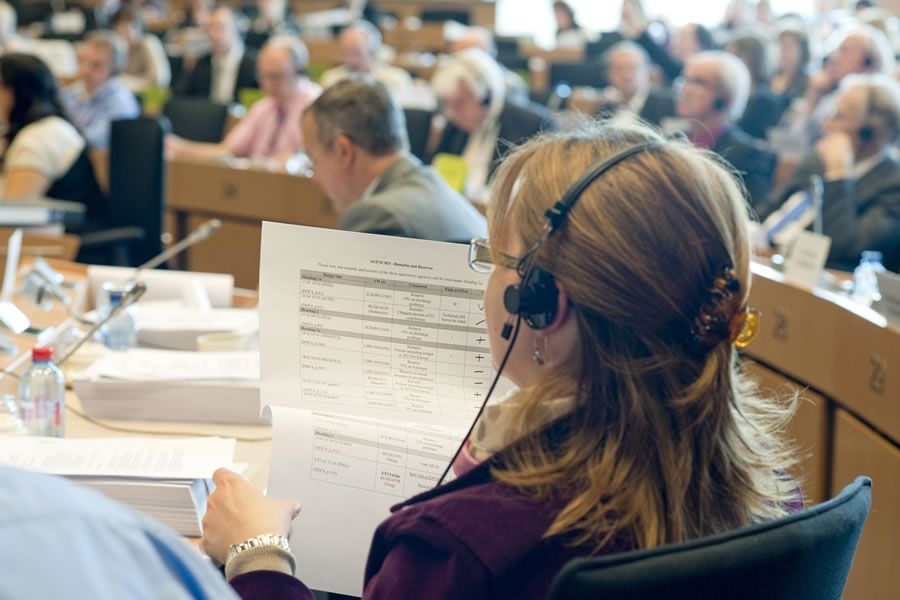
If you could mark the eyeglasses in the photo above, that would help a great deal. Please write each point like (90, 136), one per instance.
(680, 82)
(481, 257)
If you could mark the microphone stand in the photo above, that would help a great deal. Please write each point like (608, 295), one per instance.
(198, 235)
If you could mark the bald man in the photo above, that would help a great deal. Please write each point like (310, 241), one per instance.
(272, 127)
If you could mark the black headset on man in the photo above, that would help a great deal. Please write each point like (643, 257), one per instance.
(535, 298)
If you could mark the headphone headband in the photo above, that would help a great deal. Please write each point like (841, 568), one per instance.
(534, 299)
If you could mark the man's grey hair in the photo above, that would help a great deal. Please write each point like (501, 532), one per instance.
(363, 110)
(294, 46)
(628, 47)
(373, 36)
(734, 80)
(113, 44)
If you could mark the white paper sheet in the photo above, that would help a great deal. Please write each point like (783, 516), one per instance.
(174, 458)
(371, 325)
(140, 364)
(347, 472)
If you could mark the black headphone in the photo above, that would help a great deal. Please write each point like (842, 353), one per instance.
(534, 299)
(720, 104)
(866, 133)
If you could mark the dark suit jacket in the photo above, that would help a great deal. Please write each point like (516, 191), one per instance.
(665, 60)
(763, 111)
(198, 81)
(517, 124)
(411, 200)
(857, 215)
(755, 164)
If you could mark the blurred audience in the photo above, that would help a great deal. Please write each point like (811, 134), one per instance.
(794, 55)
(481, 124)
(569, 33)
(763, 107)
(712, 98)
(97, 97)
(43, 153)
(227, 69)
(271, 129)
(483, 39)
(860, 174)
(630, 91)
(147, 64)
(360, 47)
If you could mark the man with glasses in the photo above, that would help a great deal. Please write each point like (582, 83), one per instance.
(271, 129)
(712, 95)
(358, 150)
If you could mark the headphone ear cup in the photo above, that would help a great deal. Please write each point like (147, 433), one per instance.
(866, 133)
(535, 299)
(719, 104)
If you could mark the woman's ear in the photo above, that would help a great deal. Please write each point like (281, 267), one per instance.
(563, 309)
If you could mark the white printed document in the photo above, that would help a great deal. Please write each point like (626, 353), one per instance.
(167, 479)
(139, 364)
(374, 360)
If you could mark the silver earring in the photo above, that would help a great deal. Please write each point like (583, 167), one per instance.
(540, 357)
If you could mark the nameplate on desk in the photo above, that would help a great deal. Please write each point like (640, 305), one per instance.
(889, 286)
(807, 258)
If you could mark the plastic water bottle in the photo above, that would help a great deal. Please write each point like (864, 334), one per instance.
(121, 332)
(865, 280)
(42, 395)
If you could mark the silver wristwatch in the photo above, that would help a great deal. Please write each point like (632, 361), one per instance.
(266, 539)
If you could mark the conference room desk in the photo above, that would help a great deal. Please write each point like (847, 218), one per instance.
(242, 197)
(845, 362)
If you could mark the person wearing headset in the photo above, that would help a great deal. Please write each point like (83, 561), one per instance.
(620, 272)
(482, 124)
(271, 129)
(98, 98)
(860, 174)
(711, 98)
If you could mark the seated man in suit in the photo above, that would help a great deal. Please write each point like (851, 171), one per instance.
(712, 98)
(228, 68)
(360, 44)
(356, 141)
(481, 123)
(271, 128)
(629, 91)
(861, 178)
(98, 98)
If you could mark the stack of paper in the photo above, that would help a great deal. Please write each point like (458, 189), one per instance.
(170, 325)
(166, 385)
(167, 479)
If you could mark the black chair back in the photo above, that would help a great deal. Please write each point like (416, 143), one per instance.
(590, 73)
(441, 16)
(418, 128)
(137, 174)
(804, 556)
(197, 119)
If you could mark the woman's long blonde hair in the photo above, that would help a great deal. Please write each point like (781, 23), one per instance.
(663, 445)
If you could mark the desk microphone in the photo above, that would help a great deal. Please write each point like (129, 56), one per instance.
(198, 235)
(128, 298)
(132, 295)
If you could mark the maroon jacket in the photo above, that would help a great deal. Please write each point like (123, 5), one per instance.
(472, 538)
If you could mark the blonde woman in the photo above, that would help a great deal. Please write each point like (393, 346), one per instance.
(632, 428)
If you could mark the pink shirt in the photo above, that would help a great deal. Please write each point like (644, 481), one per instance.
(270, 129)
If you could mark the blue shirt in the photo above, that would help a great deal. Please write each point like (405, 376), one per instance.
(60, 540)
(93, 114)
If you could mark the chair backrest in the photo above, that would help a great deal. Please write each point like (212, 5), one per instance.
(804, 556)
(418, 128)
(197, 119)
(137, 180)
(590, 73)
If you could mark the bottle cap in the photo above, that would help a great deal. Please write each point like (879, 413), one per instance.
(115, 297)
(41, 353)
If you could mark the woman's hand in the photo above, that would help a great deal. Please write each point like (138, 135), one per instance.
(236, 511)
